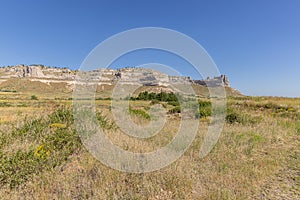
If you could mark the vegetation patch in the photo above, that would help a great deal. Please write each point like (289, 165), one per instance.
(8, 90)
(53, 139)
(104, 122)
(273, 108)
(54, 147)
(33, 97)
(298, 128)
(162, 96)
(255, 138)
(139, 113)
(234, 116)
(5, 104)
(41, 157)
(174, 110)
(205, 108)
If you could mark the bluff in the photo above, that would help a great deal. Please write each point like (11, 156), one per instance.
(146, 77)
(59, 82)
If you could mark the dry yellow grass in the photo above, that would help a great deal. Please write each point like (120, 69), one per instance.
(258, 159)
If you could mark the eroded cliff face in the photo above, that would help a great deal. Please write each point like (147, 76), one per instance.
(142, 76)
(36, 71)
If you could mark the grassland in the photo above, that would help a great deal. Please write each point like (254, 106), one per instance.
(256, 157)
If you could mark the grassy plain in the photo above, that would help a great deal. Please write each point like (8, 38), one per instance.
(256, 157)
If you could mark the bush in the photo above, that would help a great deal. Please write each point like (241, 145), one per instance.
(204, 103)
(33, 97)
(203, 112)
(62, 115)
(54, 140)
(204, 109)
(176, 109)
(233, 118)
(101, 98)
(236, 117)
(162, 96)
(173, 103)
(140, 113)
(32, 128)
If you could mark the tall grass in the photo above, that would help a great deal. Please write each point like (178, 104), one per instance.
(53, 139)
(256, 157)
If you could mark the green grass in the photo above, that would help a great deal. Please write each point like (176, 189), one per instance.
(140, 113)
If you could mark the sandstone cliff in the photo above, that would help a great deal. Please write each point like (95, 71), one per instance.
(146, 77)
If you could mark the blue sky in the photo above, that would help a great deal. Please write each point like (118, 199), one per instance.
(255, 42)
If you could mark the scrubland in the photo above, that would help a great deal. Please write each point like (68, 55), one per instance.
(256, 156)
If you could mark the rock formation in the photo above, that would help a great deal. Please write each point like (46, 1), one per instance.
(147, 77)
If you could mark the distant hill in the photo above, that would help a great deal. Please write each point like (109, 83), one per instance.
(50, 82)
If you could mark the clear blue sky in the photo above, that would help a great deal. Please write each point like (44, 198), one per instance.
(255, 42)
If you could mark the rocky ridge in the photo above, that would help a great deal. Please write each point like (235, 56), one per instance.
(145, 77)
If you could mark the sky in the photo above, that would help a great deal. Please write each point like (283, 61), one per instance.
(256, 43)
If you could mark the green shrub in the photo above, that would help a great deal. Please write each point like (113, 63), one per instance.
(176, 109)
(51, 147)
(203, 113)
(234, 116)
(18, 168)
(62, 115)
(33, 97)
(205, 109)
(32, 128)
(162, 96)
(140, 113)
(174, 103)
(204, 103)
(269, 106)
(101, 98)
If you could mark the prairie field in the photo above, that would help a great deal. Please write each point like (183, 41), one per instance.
(149, 100)
(256, 156)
